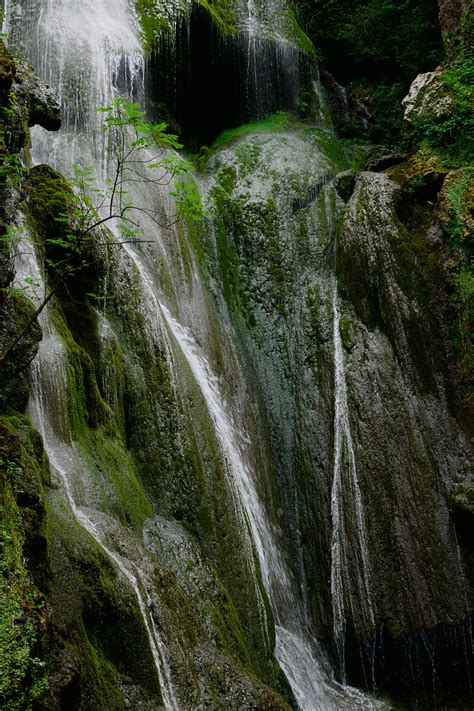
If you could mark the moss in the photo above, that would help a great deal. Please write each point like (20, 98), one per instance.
(223, 12)
(157, 20)
(279, 121)
(153, 21)
(96, 429)
(297, 36)
(50, 199)
(23, 675)
(347, 332)
(87, 600)
(14, 384)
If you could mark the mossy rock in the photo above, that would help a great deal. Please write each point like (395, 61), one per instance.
(14, 378)
(97, 635)
(23, 621)
(71, 257)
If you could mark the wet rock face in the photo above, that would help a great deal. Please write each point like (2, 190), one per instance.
(382, 275)
(28, 101)
(406, 576)
(410, 448)
(41, 101)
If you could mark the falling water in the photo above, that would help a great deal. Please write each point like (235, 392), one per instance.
(345, 479)
(252, 69)
(89, 51)
(295, 649)
(49, 414)
(6, 17)
(49, 388)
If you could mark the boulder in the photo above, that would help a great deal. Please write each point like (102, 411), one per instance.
(428, 95)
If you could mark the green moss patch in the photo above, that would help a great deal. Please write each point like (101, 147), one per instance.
(24, 680)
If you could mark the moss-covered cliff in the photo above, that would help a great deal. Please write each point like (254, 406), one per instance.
(257, 428)
(129, 448)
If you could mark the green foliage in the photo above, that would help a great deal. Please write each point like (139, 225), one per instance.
(452, 136)
(12, 168)
(153, 21)
(69, 215)
(374, 39)
(156, 19)
(223, 12)
(383, 100)
(376, 47)
(461, 232)
(188, 201)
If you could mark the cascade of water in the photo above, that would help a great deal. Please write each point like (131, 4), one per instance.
(295, 649)
(345, 479)
(251, 31)
(89, 52)
(6, 17)
(49, 382)
(49, 414)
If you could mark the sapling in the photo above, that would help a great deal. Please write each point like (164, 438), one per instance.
(142, 152)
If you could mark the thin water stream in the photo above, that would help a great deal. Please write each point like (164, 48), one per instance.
(345, 480)
(296, 650)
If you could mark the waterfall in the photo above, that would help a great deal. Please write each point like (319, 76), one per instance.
(6, 17)
(49, 414)
(49, 388)
(90, 52)
(296, 650)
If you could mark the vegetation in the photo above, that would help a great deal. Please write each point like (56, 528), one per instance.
(376, 47)
(72, 213)
(23, 678)
(276, 122)
(452, 136)
(155, 20)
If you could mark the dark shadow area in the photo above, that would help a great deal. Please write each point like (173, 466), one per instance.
(423, 671)
(202, 82)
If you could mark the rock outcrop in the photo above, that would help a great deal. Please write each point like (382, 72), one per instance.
(401, 577)
(349, 115)
(27, 100)
(428, 97)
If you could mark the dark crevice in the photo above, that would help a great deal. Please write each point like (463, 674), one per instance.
(203, 82)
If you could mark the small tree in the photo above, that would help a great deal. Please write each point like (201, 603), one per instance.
(143, 153)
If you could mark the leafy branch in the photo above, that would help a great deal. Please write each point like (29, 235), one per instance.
(144, 154)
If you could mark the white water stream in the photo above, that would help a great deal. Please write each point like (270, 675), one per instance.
(296, 651)
(48, 410)
(345, 479)
(49, 395)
